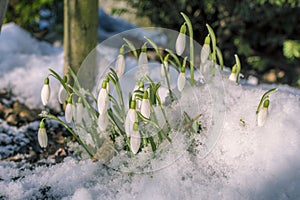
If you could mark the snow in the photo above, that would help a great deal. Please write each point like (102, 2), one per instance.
(243, 162)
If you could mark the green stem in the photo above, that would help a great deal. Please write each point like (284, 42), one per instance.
(49, 116)
(190, 28)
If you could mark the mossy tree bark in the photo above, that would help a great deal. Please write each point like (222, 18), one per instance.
(80, 31)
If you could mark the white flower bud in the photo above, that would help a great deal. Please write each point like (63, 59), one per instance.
(103, 98)
(131, 117)
(263, 114)
(145, 106)
(120, 65)
(181, 81)
(46, 91)
(62, 95)
(69, 112)
(135, 139)
(42, 135)
(205, 53)
(232, 77)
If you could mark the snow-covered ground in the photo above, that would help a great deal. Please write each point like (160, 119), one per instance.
(247, 162)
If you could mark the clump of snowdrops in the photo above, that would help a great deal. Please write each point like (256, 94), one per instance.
(113, 124)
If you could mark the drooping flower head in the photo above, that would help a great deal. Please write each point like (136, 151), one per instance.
(46, 91)
(131, 117)
(181, 78)
(103, 98)
(42, 135)
(143, 68)
(120, 63)
(145, 105)
(263, 113)
(135, 139)
(232, 76)
(180, 42)
(69, 110)
(205, 51)
(62, 93)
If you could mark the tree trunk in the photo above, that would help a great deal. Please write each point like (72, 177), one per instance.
(80, 31)
(3, 5)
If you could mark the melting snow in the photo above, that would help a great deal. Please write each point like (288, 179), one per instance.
(247, 162)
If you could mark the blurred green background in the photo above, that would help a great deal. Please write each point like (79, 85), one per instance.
(265, 33)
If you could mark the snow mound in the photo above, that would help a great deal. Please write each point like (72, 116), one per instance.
(24, 63)
(247, 162)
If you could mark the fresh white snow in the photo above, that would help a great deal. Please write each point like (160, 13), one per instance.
(247, 162)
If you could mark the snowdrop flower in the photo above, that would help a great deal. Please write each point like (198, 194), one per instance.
(135, 139)
(139, 86)
(181, 78)
(142, 63)
(145, 106)
(233, 76)
(103, 121)
(103, 98)
(131, 117)
(120, 63)
(180, 42)
(79, 110)
(205, 49)
(263, 114)
(42, 135)
(62, 93)
(69, 110)
(46, 91)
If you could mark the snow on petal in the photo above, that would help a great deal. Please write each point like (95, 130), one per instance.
(181, 81)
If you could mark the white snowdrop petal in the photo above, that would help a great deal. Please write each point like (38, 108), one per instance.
(232, 77)
(143, 60)
(103, 121)
(180, 44)
(79, 112)
(181, 81)
(145, 108)
(45, 94)
(102, 101)
(135, 141)
(69, 112)
(262, 117)
(205, 52)
(129, 121)
(42, 137)
(62, 95)
(120, 65)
